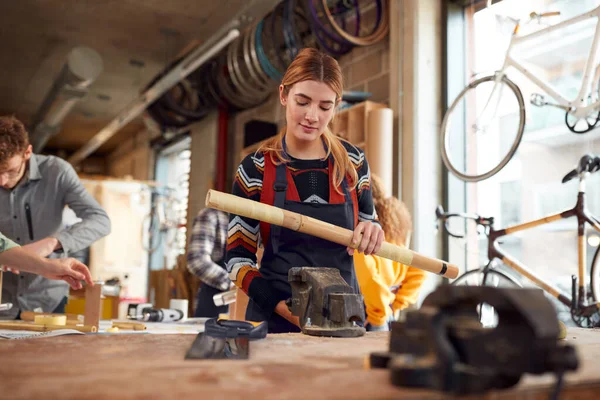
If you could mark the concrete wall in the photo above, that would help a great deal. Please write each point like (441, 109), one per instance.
(204, 135)
(133, 158)
(419, 76)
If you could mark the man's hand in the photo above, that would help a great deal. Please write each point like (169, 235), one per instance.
(283, 310)
(68, 270)
(44, 247)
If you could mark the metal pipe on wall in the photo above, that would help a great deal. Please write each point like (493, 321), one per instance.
(82, 68)
(221, 170)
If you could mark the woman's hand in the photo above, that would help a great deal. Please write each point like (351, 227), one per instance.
(367, 238)
(68, 270)
(283, 310)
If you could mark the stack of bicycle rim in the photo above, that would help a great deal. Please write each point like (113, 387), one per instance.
(249, 70)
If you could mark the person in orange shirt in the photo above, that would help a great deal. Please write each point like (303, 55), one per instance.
(387, 286)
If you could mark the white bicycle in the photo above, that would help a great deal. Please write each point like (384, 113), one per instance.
(484, 125)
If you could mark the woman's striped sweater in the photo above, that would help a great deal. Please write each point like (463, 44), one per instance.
(311, 178)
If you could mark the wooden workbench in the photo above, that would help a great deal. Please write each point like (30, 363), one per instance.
(287, 366)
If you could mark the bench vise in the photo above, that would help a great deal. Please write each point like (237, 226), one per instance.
(443, 346)
(325, 304)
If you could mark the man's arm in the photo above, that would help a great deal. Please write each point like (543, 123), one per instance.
(202, 244)
(95, 223)
(67, 269)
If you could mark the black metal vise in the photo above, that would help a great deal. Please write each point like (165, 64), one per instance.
(325, 303)
(443, 346)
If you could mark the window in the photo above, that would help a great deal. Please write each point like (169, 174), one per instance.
(530, 187)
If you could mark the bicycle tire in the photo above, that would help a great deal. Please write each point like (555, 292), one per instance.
(458, 281)
(594, 278)
(485, 318)
(377, 35)
(515, 145)
(153, 232)
(326, 40)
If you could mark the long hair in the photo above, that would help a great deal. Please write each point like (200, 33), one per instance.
(394, 217)
(395, 220)
(377, 189)
(311, 64)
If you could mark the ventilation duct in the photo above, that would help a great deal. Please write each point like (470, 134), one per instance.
(82, 68)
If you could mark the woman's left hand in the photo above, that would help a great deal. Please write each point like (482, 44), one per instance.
(368, 237)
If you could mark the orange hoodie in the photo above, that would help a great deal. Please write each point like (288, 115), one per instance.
(376, 278)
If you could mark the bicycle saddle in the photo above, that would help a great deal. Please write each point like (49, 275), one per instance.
(587, 163)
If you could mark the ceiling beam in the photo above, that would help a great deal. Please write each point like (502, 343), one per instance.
(188, 65)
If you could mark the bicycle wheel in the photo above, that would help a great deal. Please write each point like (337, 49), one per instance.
(482, 128)
(151, 237)
(490, 277)
(595, 277)
(593, 296)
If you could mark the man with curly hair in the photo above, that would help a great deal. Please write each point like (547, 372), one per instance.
(34, 190)
(387, 286)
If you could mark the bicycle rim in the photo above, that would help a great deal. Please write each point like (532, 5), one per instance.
(473, 148)
(475, 278)
(594, 278)
(151, 237)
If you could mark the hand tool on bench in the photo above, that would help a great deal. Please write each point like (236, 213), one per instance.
(443, 345)
(274, 215)
(225, 298)
(226, 339)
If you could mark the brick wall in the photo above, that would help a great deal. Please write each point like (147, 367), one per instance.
(368, 69)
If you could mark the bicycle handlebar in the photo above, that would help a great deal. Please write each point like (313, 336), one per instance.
(478, 219)
(534, 15)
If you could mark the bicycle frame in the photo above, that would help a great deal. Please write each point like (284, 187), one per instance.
(583, 217)
(577, 105)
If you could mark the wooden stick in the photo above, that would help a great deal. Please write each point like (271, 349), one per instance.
(72, 319)
(27, 326)
(301, 223)
(93, 304)
(134, 326)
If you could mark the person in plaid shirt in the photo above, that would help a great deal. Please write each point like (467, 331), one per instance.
(206, 260)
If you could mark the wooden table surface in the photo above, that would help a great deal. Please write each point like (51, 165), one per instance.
(286, 366)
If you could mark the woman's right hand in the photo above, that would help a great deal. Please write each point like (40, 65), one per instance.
(283, 310)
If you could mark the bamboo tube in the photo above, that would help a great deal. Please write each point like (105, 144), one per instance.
(301, 223)
(133, 326)
(26, 326)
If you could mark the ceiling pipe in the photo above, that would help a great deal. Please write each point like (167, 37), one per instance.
(82, 68)
(188, 65)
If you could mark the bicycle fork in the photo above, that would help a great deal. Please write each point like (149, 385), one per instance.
(578, 297)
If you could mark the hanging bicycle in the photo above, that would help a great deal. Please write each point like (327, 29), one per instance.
(166, 218)
(483, 127)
